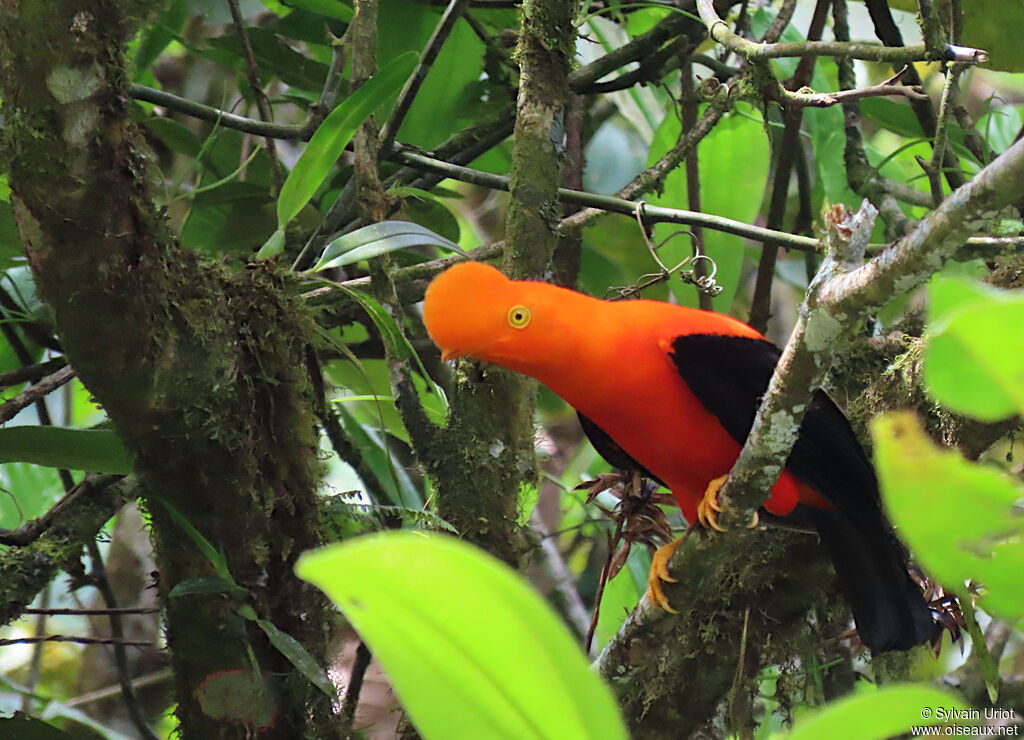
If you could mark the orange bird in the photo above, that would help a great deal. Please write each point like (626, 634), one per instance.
(671, 392)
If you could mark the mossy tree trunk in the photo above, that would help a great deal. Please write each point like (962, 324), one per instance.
(199, 367)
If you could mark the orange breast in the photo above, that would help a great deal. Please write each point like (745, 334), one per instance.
(636, 395)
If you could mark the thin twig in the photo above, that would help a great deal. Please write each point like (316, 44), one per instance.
(811, 99)
(565, 582)
(610, 204)
(35, 528)
(355, 687)
(688, 118)
(300, 132)
(613, 540)
(36, 663)
(124, 676)
(934, 168)
(252, 72)
(76, 639)
(164, 674)
(95, 612)
(31, 373)
(787, 152)
(35, 392)
(861, 176)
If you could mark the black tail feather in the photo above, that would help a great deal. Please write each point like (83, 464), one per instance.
(890, 611)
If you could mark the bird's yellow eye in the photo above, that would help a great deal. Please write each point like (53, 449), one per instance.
(518, 317)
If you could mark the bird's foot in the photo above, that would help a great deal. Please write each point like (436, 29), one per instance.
(709, 508)
(659, 573)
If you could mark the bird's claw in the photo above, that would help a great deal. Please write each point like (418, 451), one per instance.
(659, 573)
(709, 507)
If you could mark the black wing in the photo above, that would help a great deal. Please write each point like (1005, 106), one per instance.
(729, 375)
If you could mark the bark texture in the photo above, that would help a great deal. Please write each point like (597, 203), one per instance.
(198, 366)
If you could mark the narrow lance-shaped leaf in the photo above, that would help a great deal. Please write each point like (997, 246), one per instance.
(335, 132)
(92, 450)
(377, 239)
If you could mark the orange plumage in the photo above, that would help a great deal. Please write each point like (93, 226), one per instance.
(610, 360)
(670, 392)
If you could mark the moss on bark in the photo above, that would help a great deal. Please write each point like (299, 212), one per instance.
(200, 368)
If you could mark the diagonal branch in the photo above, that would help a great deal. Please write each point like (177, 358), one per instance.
(36, 391)
(835, 308)
(412, 86)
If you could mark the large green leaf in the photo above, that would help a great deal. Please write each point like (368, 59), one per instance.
(973, 364)
(92, 450)
(876, 715)
(330, 8)
(959, 518)
(334, 133)
(470, 649)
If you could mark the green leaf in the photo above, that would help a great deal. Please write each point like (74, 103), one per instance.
(335, 132)
(373, 449)
(876, 715)
(273, 246)
(470, 649)
(92, 450)
(156, 36)
(10, 241)
(992, 25)
(393, 337)
(377, 239)
(178, 138)
(971, 365)
(274, 57)
(205, 585)
(216, 557)
(329, 8)
(24, 727)
(299, 657)
(925, 489)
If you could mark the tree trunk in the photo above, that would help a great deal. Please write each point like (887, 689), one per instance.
(198, 366)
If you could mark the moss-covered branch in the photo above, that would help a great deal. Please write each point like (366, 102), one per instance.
(43, 547)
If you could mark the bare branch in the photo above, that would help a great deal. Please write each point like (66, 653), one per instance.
(35, 392)
(31, 373)
(751, 51)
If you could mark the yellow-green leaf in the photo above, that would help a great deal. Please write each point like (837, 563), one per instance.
(958, 517)
(470, 649)
(881, 714)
